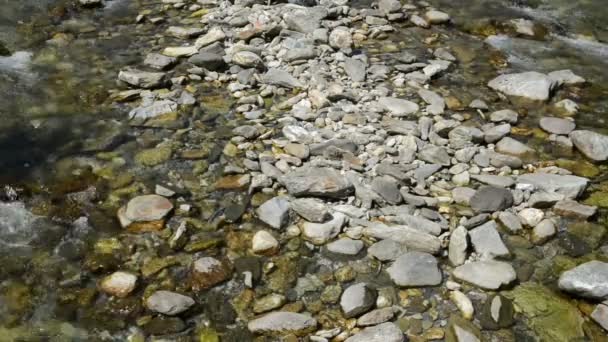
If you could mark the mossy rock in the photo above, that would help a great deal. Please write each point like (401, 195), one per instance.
(550, 316)
(153, 156)
(208, 335)
(458, 326)
(580, 168)
(4, 50)
(598, 199)
(591, 233)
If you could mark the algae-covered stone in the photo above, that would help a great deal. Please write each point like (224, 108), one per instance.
(551, 317)
(496, 313)
(153, 156)
(461, 330)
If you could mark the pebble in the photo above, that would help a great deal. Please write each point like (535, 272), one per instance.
(168, 303)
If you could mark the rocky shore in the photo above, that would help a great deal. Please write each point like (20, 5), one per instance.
(312, 171)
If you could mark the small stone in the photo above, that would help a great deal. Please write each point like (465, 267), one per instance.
(398, 107)
(557, 125)
(311, 209)
(457, 248)
(375, 317)
(159, 62)
(497, 313)
(385, 332)
(386, 250)
(600, 315)
(357, 299)
(543, 231)
(529, 85)
(463, 303)
(487, 242)
(593, 145)
(321, 233)
(489, 274)
(208, 272)
(141, 79)
(247, 59)
(489, 199)
(511, 146)
(415, 269)
(119, 284)
(340, 38)
(510, 221)
(264, 243)
(283, 323)
(531, 216)
(506, 115)
(274, 212)
(215, 34)
(321, 182)
(268, 303)
(437, 17)
(168, 303)
(345, 246)
(573, 209)
(588, 280)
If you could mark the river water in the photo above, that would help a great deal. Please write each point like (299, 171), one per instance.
(57, 63)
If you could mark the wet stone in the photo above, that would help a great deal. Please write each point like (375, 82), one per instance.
(283, 323)
(530, 85)
(489, 275)
(345, 246)
(119, 284)
(489, 199)
(385, 332)
(168, 303)
(573, 209)
(386, 250)
(593, 145)
(264, 243)
(274, 212)
(415, 269)
(588, 280)
(142, 79)
(557, 125)
(375, 317)
(208, 272)
(321, 182)
(311, 209)
(208, 60)
(487, 242)
(387, 187)
(357, 299)
(496, 313)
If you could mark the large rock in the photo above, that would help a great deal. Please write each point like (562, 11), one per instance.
(415, 269)
(593, 145)
(385, 250)
(398, 107)
(283, 323)
(321, 233)
(168, 303)
(274, 212)
(280, 78)
(489, 275)
(311, 209)
(142, 209)
(357, 299)
(385, 332)
(487, 242)
(569, 186)
(530, 85)
(142, 79)
(488, 199)
(587, 280)
(320, 182)
(411, 238)
(511, 146)
(340, 38)
(434, 155)
(557, 125)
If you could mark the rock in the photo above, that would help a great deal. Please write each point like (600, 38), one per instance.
(398, 107)
(434, 155)
(357, 299)
(463, 195)
(159, 62)
(355, 69)
(569, 186)
(511, 146)
(321, 233)
(268, 303)
(168, 303)
(493, 180)
(457, 248)
(593, 145)
(119, 284)
(311, 209)
(488, 275)
(387, 188)
(497, 313)
(340, 38)
(419, 21)
(523, 26)
(300, 54)
(463, 303)
(320, 182)
(415, 269)
(419, 222)
(274, 212)
(487, 242)
(496, 133)
(543, 199)
(435, 101)
(208, 60)
(152, 110)
(180, 51)
(557, 125)
(600, 315)
(505, 115)
(280, 78)
(215, 34)
(298, 150)
(589, 280)
(146, 208)
(305, 20)
(264, 243)
(142, 79)
(283, 323)
(375, 317)
(233, 182)
(530, 85)
(573, 209)
(345, 246)
(386, 250)
(566, 77)
(551, 317)
(437, 17)
(543, 231)
(184, 32)
(413, 239)
(247, 59)
(389, 6)
(208, 272)
(488, 199)
(531, 216)
(510, 221)
(385, 332)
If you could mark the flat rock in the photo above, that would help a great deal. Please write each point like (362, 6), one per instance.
(593, 145)
(168, 303)
(457, 248)
(506, 115)
(489, 274)
(488, 199)
(415, 269)
(147, 208)
(375, 317)
(142, 79)
(588, 280)
(385, 332)
(434, 155)
(387, 188)
(530, 85)
(487, 242)
(510, 221)
(386, 250)
(357, 299)
(319, 182)
(281, 78)
(511, 146)
(345, 246)
(412, 238)
(557, 125)
(573, 209)
(283, 323)
(158, 61)
(274, 212)
(569, 186)
(321, 233)
(311, 209)
(398, 107)
(494, 180)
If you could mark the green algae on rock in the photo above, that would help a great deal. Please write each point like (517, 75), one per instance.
(552, 317)
(153, 156)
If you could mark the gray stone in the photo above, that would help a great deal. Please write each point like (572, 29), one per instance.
(355, 69)
(496, 133)
(357, 299)
(573, 209)
(457, 248)
(488, 275)
(593, 145)
(340, 38)
(375, 317)
(463, 195)
(557, 125)
(282, 323)
(566, 77)
(184, 32)
(345, 246)
(274, 212)
(385, 332)
(389, 6)
(415, 269)
(142, 79)
(158, 61)
(530, 85)
(493, 180)
(305, 20)
(569, 186)
(208, 60)
(488, 199)
(311, 209)
(510, 221)
(247, 59)
(319, 182)
(387, 187)
(215, 34)
(600, 315)
(280, 78)
(589, 280)
(487, 242)
(437, 17)
(152, 110)
(168, 303)
(543, 231)
(435, 101)
(321, 233)
(417, 222)
(398, 107)
(506, 115)
(511, 146)
(386, 250)
(300, 54)
(434, 155)
(412, 238)
(543, 199)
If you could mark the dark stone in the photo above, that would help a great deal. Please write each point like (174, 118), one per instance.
(208, 60)
(161, 325)
(505, 313)
(573, 245)
(488, 199)
(249, 264)
(218, 308)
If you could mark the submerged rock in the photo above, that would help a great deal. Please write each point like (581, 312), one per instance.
(488, 199)
(321, 182)
(168, 303)
(530, 85)
(208, 272)
(489, 275)
(283, 323)
(385, 332)
(119, 284)
(593, 145)
(415, 269)
(357, 299)
(587, 280)
(142, 79)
